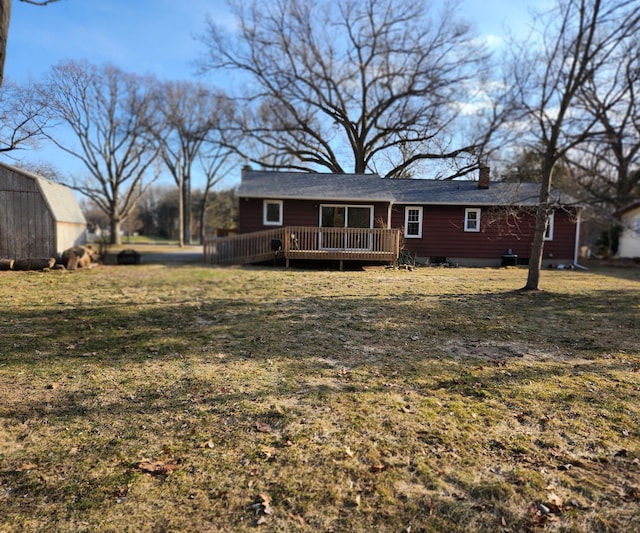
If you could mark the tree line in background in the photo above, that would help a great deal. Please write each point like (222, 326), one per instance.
(157, 214)
(384, 86)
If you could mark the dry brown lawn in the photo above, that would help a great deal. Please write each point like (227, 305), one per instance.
(185, 398)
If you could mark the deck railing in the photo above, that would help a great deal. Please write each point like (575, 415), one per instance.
(296, 242)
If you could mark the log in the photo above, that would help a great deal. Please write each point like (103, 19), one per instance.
(34, 263)
(6, 264)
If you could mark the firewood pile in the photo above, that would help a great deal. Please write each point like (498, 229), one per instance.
(71, 259)
(31, 263)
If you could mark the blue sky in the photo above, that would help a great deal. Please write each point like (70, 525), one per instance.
(158, 36)
(137, 35)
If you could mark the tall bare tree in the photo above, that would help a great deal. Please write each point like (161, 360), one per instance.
(353, 85)
(608, 168)
(576, 41)
(191, 115)
(217, 162)
(108, 112)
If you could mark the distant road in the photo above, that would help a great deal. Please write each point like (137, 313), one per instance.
(160, 254)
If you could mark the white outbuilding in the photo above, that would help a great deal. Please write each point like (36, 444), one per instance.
(629, 245)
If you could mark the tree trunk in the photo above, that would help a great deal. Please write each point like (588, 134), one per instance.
(202, 211)
(181, 213)
(186, 191)
(5, 16)
(542, 219)
(34, 263)
(114, 224)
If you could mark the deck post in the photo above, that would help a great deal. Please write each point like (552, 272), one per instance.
(396, 250)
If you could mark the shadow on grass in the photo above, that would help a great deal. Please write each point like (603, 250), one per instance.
(352, 331)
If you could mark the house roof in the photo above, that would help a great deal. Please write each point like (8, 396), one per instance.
(628, 208)
(61, 201)
(373, 188)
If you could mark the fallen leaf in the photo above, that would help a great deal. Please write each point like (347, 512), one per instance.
(268, 452)
(262, 427)
(632, 494)
(264, 505)
(348, 451)
(555, 502)
(156, 468)
(378, 467)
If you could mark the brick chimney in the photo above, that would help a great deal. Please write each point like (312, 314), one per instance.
(246, 168)
(483, 179)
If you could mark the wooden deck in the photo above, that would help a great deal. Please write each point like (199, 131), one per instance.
(337, 244)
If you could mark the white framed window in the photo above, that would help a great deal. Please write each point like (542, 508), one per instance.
(346, 216)
(413, 222)
(548, 234)
(472, 219)
(272, 213)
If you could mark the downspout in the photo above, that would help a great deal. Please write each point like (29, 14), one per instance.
(576, 248)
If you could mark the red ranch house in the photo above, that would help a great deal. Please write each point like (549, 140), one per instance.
(366, 217)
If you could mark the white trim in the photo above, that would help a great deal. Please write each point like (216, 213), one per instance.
(419, 209)
(266, 222)
(346, 213)
(478, 213)
(576, 247)
(548, 234)
(323, 246)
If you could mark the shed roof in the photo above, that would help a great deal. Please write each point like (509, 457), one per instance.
(628, 208)
(373, 188)
(60, 198)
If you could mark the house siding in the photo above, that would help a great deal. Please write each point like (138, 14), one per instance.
(297, 213)
(443, 234)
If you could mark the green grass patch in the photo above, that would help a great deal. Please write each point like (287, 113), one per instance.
(153, 398)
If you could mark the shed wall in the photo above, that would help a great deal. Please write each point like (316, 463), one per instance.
(70, 234)
(27, 228)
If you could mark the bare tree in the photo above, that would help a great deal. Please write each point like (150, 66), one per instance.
(108, 111)
(577, 40)
(608, 168)
(217, 162)
(190, 116)
(353, 85)
(5, 17)
(21, 117)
